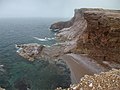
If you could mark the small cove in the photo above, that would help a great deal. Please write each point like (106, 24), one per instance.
(18, 72)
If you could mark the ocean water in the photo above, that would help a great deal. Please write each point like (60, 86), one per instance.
(16, 73)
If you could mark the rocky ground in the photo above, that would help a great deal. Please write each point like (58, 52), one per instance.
(1, 88)
(34, 51)
(103, 81)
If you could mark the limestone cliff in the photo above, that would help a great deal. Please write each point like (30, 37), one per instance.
(95, 32)
(101, 39)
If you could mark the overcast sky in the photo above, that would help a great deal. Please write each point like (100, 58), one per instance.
(50, 8)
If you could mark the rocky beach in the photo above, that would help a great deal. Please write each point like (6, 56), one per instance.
(89, 44)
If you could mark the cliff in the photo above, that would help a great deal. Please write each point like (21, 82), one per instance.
(61, 25)
(101, 39)
(92, 32)
(95, 32)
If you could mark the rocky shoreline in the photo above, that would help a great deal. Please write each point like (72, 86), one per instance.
(94, 33)
(35, 51)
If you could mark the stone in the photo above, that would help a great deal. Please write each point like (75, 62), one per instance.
(95, 32)
(106, 77)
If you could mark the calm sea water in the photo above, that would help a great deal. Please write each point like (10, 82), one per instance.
(16, 73)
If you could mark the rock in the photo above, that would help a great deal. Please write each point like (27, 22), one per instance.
(30, 51)
(104, 81)
(102, 35)
(72, 32)
(61, 25)
(1, 88)
(34, 51)
(95, 32)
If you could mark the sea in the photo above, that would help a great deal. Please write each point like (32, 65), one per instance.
(17, 73)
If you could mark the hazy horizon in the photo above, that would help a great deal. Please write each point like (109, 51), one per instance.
(50, 8)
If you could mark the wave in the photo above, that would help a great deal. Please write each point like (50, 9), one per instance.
(1, 66)
(43, 39)
(19, 50)
(16, 46)
(46, 45)
(50, 38)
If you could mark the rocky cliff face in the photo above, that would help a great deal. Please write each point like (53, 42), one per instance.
(101, 39)
(79, 24)
(95, 32)
(61, 25)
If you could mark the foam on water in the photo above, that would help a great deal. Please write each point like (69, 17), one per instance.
(19, 50)
(43, 39)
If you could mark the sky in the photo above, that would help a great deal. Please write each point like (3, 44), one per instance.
(51, 8)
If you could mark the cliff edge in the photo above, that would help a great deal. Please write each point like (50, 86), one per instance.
(94, 32)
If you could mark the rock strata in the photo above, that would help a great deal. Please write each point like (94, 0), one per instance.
(96, 33)
(101, 39)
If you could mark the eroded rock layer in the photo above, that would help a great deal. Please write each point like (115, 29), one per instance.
(101, 39)
(95, 32)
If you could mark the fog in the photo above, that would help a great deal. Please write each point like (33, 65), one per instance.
(50, 8)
